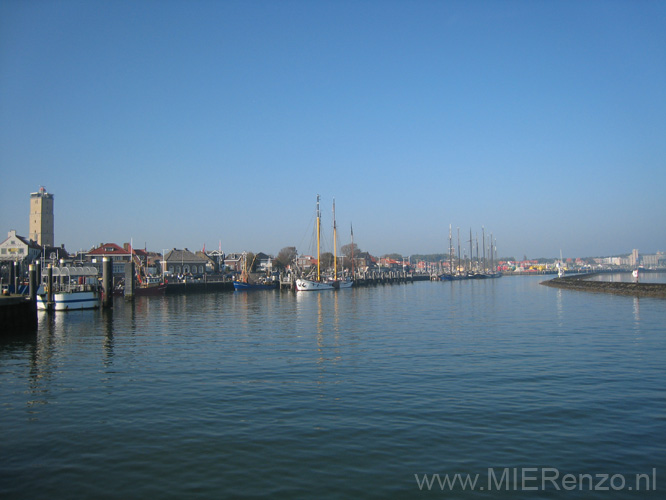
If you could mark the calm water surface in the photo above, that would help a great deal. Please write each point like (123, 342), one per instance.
(343, 394)
(644, 277)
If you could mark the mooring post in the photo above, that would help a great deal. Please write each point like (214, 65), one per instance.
(14, 276)
(38, 263)
(107, 282)
(129, 280)
(32, 273)
(49, 289)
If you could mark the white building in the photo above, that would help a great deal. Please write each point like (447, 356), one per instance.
(20, 249)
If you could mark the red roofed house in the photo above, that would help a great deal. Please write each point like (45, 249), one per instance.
(119, 255)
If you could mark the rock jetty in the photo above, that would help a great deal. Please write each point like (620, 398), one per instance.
(582, 283)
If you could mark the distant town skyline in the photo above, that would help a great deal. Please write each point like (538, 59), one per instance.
(179, 124)
(466, 248)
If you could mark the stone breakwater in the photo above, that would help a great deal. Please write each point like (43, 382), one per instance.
(581, 282)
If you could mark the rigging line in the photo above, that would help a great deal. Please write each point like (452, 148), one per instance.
(309, 231)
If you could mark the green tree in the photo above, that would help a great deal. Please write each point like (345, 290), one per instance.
(285, 257)
(346, 250)
(326, 260)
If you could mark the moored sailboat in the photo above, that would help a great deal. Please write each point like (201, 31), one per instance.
(344, 282)
(317, 284)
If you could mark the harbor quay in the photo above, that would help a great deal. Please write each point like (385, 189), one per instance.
(18, 314)
(583, 282)
(222, 284)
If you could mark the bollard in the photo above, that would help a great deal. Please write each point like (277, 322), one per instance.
(49, 288)
(129, 281)
(12, 277)
(62, 275)
(107, 282)
(39, 272)
(32, 272)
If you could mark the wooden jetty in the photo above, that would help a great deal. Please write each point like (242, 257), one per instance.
(200, 286)
(369, 279)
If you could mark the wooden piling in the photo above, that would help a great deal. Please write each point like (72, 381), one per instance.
(32, 273)
(13, 276)
(107, 282)
(129, 281)
(49, 288)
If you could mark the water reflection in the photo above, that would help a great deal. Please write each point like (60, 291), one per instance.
(43, 362)
(559, 307)
(637, 313)
(108, 342)
(627, 277)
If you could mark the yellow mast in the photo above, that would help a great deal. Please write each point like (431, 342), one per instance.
(318, 238)
(335, 246)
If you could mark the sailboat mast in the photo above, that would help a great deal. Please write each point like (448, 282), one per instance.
(450, 251)
(470, 249)
(352, 250)
(335, 245)
(458, 270)
(318, 241)
(483, 235)
(476, 237)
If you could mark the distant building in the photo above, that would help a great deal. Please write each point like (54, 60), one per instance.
(234, 262)
(41, 218)
(112, 250)
(212, 264)
(306, 261)
(20, 249)
(217, 256)
(264, 262)
(119, 255)
(634, 258)
(652, 261)
(363, 261)
(181, 262)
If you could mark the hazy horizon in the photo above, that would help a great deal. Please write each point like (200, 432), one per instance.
(183, 124)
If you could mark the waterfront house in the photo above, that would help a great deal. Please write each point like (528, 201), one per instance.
(119, 255)
(184, 262)
(305, 262)
(211, 263)
(217, 257)
(264, 262)
(234, 262)
(364, 262)
(18, 252)
(19, 249)
(110, 250)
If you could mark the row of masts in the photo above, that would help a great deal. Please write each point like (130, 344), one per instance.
(468, 264)
(481, 261)
(335, 243)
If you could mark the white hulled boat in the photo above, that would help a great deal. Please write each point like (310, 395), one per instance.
(316, 285)
(72, 288)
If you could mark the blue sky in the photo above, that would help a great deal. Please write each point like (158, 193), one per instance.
(179, 124)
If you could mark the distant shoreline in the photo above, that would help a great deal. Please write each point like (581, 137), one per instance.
(582, 283)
